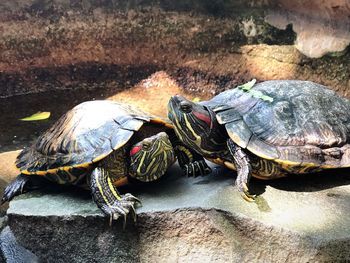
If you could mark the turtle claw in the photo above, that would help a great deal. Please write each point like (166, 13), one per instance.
(111, 212)
(244, 190)
(134, 215)
(110, 219)
(121, 208)
(131, 198)
(248, 197)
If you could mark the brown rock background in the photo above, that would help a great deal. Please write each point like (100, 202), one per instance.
(207, 46)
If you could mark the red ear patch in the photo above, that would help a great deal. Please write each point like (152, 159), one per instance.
(203, 117)
(135, 150)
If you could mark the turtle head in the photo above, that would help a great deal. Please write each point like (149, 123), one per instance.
(196, 125)
(151, 157)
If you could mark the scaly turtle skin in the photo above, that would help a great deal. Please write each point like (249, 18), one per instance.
(270, 130)
(100, 145)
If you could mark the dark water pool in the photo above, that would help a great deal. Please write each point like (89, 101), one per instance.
(16, 134)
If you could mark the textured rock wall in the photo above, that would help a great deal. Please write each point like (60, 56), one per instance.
(207, 46)
(187, 235)
(192, 235)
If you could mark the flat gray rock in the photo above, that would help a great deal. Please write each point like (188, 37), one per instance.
(204, 219)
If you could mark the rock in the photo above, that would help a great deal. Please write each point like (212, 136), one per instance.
(204, 219)
(3, 222)
(151, 94)
(11, 252)
(317, 34)
(8, 172)
(52, 46)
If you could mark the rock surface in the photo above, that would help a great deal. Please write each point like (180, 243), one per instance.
(111, 45)
(11, 251)
(297, 219)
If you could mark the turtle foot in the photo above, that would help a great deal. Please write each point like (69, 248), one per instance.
(196, 168)
(121, 208)
(108, 199)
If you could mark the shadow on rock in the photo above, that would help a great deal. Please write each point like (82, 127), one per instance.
(312, 182)
(298, 182)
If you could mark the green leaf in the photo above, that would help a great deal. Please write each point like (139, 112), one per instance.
(37, 116)
(254, 93)
(266, 98)
(247, 86)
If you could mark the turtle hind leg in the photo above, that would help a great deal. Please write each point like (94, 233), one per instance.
(21, 184)
(244, 169)
(107, 197)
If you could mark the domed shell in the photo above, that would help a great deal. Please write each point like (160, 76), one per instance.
(291, 122)
(85, 134)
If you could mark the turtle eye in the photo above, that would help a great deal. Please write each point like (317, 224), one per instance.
(185, 106)
(135, 150)
(146, 145)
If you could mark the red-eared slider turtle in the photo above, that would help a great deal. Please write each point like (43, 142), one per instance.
(268, 130)
(101, 145)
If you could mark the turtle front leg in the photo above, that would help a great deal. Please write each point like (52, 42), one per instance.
(107, 197)
(243, 167)
(191, 162)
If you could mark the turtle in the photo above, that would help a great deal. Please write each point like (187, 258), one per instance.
(101, 145)
(267, 130)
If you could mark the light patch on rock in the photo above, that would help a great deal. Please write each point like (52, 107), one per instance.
(152, 94)
(316, 36)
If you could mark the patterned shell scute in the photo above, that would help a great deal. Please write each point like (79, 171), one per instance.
(304, 123)
(90, 130)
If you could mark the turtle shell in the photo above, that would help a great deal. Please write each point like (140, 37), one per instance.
(291, 122)
(84, 135)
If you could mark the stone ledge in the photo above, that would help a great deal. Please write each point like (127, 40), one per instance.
(298, 219)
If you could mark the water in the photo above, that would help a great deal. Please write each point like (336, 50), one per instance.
(16, 134)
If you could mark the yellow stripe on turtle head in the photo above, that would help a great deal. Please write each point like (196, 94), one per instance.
(198, 138)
